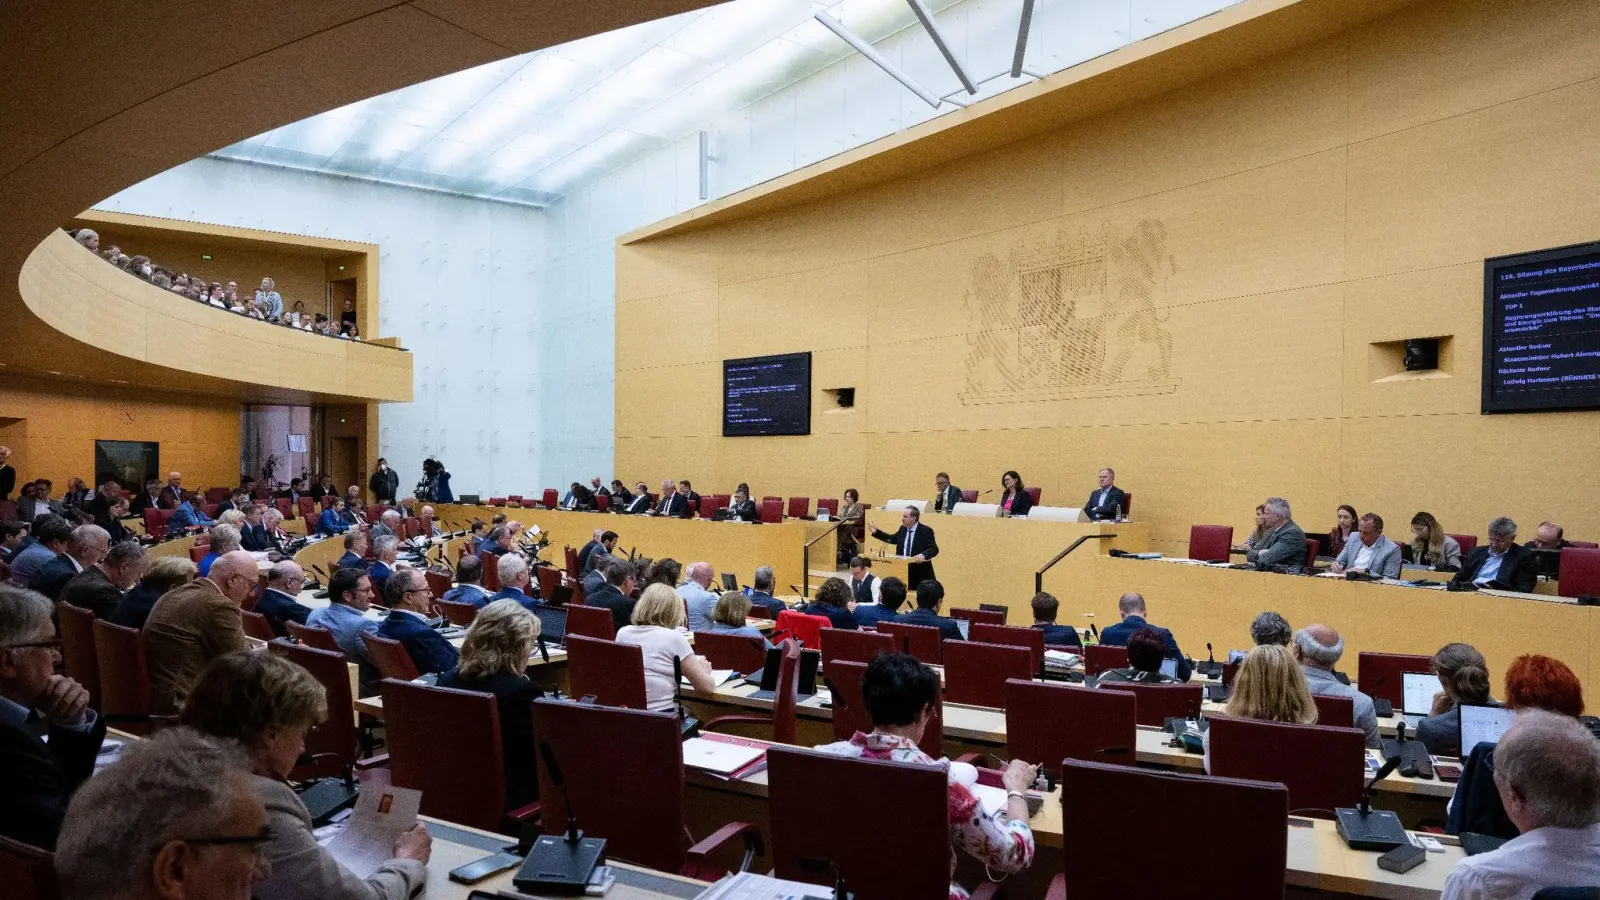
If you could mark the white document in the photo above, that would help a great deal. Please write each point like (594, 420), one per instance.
(990, 799)
(719, 757)
(1060, 659)
(719, 677)
(381, 815)
(750, 886)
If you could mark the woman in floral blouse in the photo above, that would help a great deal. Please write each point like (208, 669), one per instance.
(899, 693)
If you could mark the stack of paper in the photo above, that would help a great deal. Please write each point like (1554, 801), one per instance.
(1060, 660)
(382, 814)
(750, 886)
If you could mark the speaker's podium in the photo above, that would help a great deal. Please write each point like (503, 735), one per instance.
(887, 564)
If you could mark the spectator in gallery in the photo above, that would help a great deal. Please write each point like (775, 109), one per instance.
(268, 300)
(347, 317)
(88, 238)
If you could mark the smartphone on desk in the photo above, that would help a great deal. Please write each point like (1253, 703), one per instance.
(478, 870)
(1447, 773)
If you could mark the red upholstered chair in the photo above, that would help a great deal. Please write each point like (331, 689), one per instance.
(772, 510)
(198, 552)
(969, 496)
(573, 570)
(438, 583)
(1033, 494)
(1339, 712)
(124, 677)
(154, 524)
(389, 657)
(514, 498)
(1099, 657)
(446, 744)
(804, 628)
(1102, 804)
(1586, 545)
(497, 501)
(285, 507)
(1229, 671)
(976, 673)
(491, 570)
(623, 771)
(334, 741)
(311, 636)
(1313, 547)
(830, 505)
(1378, 674)
(785, 698)
(799, 507)
(986, 616)
(815, 797)
(592, 622)
(1580, 571)
(76, 627)
(549, 578)
(708, 506)
(771, 497)
(1032, 638)
(256, 626)
(551, 499)
(1159, 702)
(921, 641)
(730, 651)
(853, 646)
(602, 503)
(217, 495)
(1468, 542)
(1127, 504)
(1210, 542)
(412, 527)
(1052, 722)
(850, 709)
(28, 872)
(611, 673)
(457, 613)
(308, 510)
(1322, 767)
(527, 503)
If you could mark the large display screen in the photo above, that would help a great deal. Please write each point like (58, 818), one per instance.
(766, 395)
(1541, 330)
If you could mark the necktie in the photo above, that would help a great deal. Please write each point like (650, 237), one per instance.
(907, 550)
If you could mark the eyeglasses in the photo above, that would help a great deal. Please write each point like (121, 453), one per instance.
(53, 645)
(254, 841)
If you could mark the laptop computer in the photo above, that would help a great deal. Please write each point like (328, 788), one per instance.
(1547, 563)
(1417, 690)
(1483, 724)
(552, 622)
(807, 683)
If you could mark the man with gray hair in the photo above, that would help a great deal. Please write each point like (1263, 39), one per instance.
(280, 602)
(87, 545)
(408, 597)
(388, 524)
(1547, 772)
(514, 579)
(1317, 648)
(225, 539)
(1503, 564)
(194, 623)
(176, 816)
(1270, 628)
(1285, 542)
(696, 592)
(761, 592)
(40, 774)
(100, 587)
(385, 551)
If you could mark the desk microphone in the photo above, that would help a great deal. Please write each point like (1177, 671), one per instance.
(1365, 828)
(560, 865)
(1096, 629)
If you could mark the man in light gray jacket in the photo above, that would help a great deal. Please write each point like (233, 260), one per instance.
(1285, 542)
(1369, 551)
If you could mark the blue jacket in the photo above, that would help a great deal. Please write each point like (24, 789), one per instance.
(507, 593)
(762, 598)
(331, 522)
(379, 572)
(1060, 636)
(428, 651)
(869, 615)
(189, 515)
(351, 561)
(1117, 636)
(204, 566)
(948, 629)
(837, 616)
(467, 593)
(279, 608)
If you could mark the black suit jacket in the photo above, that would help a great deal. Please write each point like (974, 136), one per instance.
(672, 506)
(946, 499)
(1106, 509)
(1020, 504)
(639, 504)
(584, 553)
(514, 695)
(90, 590)
(40, 778)
(254, 538)
(948, 629)
(609, 597)
(691, 504)
(1518, 571)
(142, 501)
(170, 499)
(922, 543)
(53, 576)
(746, 511)
(136, 605)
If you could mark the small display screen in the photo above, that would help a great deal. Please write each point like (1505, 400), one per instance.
(1483, 725)
(766, 395)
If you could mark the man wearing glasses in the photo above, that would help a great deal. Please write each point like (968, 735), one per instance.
(37, 703)
(409, 597)
(349, 598)
(194, 623)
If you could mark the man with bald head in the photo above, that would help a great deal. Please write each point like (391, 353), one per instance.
(1318, 648)
(172, 494)
(1131, 607)
(696, 592)
(280, 601)
(194, 623)
(87, 546)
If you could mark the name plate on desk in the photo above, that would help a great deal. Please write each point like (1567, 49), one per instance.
(1058, 514)
(976, 510)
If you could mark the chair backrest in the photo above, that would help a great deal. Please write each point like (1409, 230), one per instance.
(77, 649)
(611, 673)
(1099, 657)
(549, 579)
(154, 524)
(491, 570)
(285, 507)
(256, 625)
(1468, 542)
(1032, 638)
(1210, 542)
(1313, 547)
(312, 636)
(744, 655)
(853, 646)
(438, 582)
(1339, 712)
(807, 823)
(1229, 671)
(337, 733)
(28, 872)
(1587, 545)
(1102, 805)
(602, 502)
(514, 498)
(831, 504)
(217, 494)
(446, 744)
(986, 616)
(1127, 504)
(799, 507)
(708, 506)
(308, 511)
(772, 510)
(591, 621)
(198, 551)
(389, 657)
(969, 496)
(623, 771)
(850, 709)
(412, 526)
(124, 677)
(976, 673)
(497, 501)
(550, 499)
(573, 571)
(1580, 571)
(921, 641)
(786, 695)
(804, 628)
(1378, 674)
(1033, 494)
(457, 613)
(1048, 722)
(1322, 766)
(1159, 702)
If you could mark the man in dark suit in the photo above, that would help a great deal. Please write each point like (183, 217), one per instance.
(514, 581)
(324, 488)
(743, 508)
(671, 502)
(99, 588)
(355, 551)
(100, 503)
(639, 503)
(87, 545)
(946, 495)
(292, 492)
(171, 496)
(589, 548)
(891, 596)
(691, 500)
(1045, 610)
(761, 592)
(237, 500)
(469, 587)
(615, 593)
(279, 601)
(1503, 563)
(930, 594)
(149, 498)
(914, 541)
(1131, 608)
(620, 498)
(408, 597)
(253, 535)
(1107, 500)
(40, 775)
(385, 551)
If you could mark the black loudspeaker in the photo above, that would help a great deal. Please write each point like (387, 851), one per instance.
(1422, 354)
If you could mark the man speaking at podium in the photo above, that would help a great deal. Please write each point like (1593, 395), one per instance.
(914, 541)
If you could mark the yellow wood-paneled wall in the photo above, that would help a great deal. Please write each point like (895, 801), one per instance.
(1187, 288)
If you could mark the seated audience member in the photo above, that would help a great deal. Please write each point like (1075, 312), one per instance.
(349, 598)
(1503, 563)
(1132, 609)
(12, 534)
(1014, 498)
(761, 592)
(162, 575)
(1146, 650)
(1344, 526)
(172, 495)
(1431, 547)
(1369, 550)
(239, 499)
(891, 597)
(1318, 648)
(280, 601)
(732, 617)
(1547, 775)
(149, 498)
(469, 583)
(657, 619)
(1108, 500)
(1258, 535)
(1269, 687)
(100, 502)
(332, 520)
(193, 624)
(603, 550)
(253, 533)
(1284, 543)
(620, 497)
(40, 774)
(293, 491)
(117, 531)
(900, 693)
(51, 534)
(1532, 683)
(514, 580)
(589, 548)
(355, 509)
(598, 487)
(32, 505)
(87, 546)
(665, 571)
(355, 551)
(945, 494)
(385, 553)
(1270, 628)
(390, 523)
(930, 594)
(696, 593)
(88, 238)
(277, 538)
(1045, 609)
(324, 487)
(640, 502)
(742, 508)
(100, 587)
(864, 585)
(1549, 536)
(615, 592)
(834, 603)
(1463, 678)
(267, 705)
(499, 540)
(175, 817)
(232, 517)
(407, 622)
(494, 660)
(224, 539)
(190, 514)
(671, 503)
(691, 500)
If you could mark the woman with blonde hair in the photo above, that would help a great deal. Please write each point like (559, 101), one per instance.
(658, 618)
(494, 660)
(1431, 547)
(1269, 686)
(731, 617)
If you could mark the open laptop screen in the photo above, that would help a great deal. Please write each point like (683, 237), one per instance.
(1483, 725)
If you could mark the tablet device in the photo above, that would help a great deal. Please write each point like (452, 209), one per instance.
(1169, 668)
(1418, 688)
(964, 626)
(1483, 724)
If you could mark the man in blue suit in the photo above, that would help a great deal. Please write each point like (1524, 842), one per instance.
(385, 550)
(891, 596)
(355, 552)
(279, 602)
(191, 514)
(930, 594)
(408, 597)
(468, 589)
(1131, 608)
(513, 572)
(332, 520)
(1045, 608)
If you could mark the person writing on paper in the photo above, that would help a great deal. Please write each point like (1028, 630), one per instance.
(268, 705)
(656, 629)
(945, 494)
(914, 541)
(1369, 551)
(900, 693)
(1015, 501)
(1108, 500)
